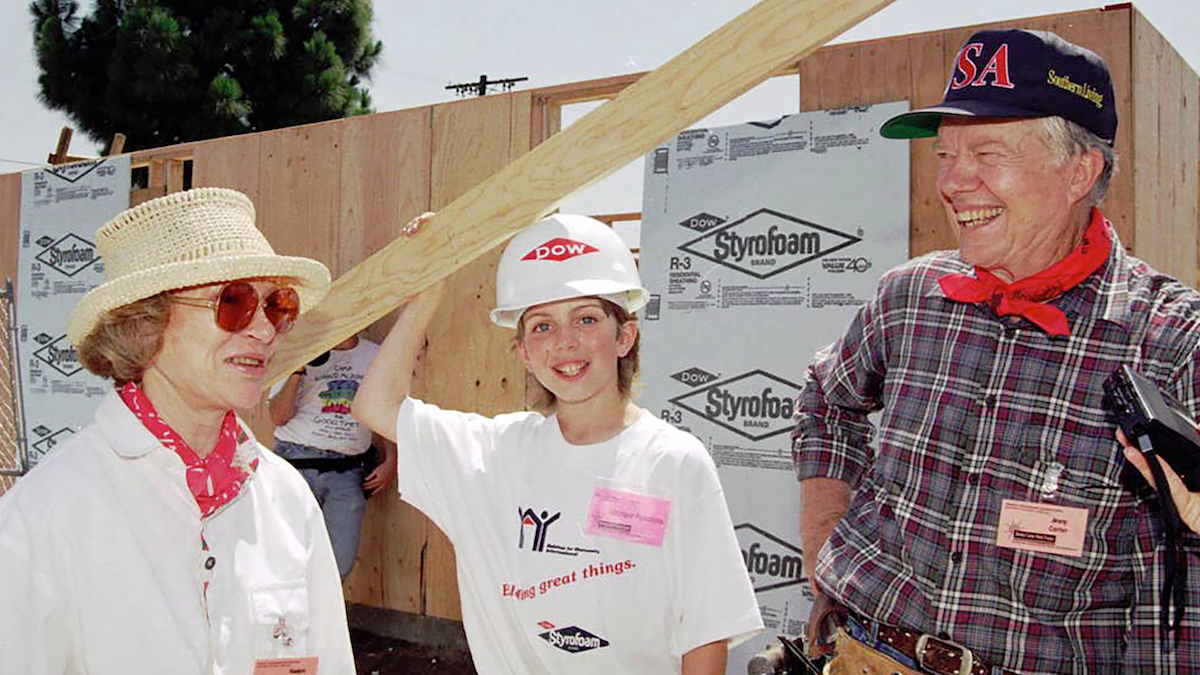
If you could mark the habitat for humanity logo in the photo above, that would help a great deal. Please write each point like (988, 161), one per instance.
(58, 354)
(68, 255)
(755, 404)
(572, 639)
(768, 242)
(536, 525)
(771, 562)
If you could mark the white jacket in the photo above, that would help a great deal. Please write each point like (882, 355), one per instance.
(102, 570)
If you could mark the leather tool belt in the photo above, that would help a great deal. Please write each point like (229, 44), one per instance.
(928, 653)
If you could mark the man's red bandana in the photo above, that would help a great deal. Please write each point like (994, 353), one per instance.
(1024, 297)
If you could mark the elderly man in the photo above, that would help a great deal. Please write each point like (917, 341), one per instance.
(991, 525)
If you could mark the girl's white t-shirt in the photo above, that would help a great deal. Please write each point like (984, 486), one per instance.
(617, 557)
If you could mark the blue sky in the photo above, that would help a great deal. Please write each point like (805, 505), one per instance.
(431, 43)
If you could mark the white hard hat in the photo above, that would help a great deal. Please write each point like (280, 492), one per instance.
(565, 256)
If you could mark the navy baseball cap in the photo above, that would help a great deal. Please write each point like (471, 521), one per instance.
(1017, 74)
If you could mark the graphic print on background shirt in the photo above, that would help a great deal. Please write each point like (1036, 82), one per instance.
(338, 396)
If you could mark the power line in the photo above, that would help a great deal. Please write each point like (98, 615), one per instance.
(18, 161)
(481, 87)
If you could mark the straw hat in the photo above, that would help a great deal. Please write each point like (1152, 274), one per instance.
(191, 238)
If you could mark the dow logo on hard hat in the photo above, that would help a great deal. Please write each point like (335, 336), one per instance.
(559, 249)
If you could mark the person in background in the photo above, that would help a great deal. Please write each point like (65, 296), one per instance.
(162, 538)
(591, 537)
(317, 434)
(988, 524)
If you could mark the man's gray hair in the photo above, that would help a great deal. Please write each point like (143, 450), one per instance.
(1068, 139)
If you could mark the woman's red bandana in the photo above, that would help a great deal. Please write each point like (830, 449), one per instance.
(213, 480)
(1024, 297)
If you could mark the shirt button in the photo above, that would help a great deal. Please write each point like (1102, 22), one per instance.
(989, 401)
(956, 557)
(973, 478)
(885, 511)
(210, 563)
(943, 635)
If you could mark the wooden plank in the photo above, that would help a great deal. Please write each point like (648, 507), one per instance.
(698, 81)
(174, 170)
(810, 81)
(59, 156)
(146, 194)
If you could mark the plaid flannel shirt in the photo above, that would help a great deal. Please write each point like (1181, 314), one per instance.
(975, 409)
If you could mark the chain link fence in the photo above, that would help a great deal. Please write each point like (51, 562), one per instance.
(13, 459)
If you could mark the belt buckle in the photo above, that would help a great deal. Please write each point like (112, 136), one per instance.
(966, 657)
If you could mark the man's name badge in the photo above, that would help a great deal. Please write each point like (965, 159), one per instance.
(299, 666)
(1042, 528)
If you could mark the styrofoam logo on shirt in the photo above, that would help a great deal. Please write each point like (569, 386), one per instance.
(768, 242)
(770, 561)
(755, 404)
(573, 639)
(559, 249)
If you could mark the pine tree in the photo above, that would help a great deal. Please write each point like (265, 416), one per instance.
(169, 71)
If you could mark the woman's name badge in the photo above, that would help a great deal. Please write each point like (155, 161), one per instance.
(640, 519)
(1042, 528)
(300, 666)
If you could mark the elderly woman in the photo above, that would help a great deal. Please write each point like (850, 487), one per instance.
(162, 538)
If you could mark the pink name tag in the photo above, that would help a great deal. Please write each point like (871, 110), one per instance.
(640, 519)
(1043, 528)
(301, 666)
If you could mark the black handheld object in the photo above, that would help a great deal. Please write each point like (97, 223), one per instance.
(1142, 411)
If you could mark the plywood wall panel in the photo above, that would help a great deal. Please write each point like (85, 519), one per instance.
(10, 223)
(884, 71)
(384, 180)
(10, 226)
(1164, 165)
(384, 183)
(232, 162)
(474, 368)
(928, 229)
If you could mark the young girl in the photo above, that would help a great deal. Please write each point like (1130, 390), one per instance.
(594, 540)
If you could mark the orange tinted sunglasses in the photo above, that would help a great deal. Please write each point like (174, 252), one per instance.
(237, 303)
